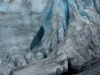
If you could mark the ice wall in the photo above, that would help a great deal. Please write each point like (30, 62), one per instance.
(58, 32)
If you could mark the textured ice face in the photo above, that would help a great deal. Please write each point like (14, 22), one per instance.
(39, 5)
(3, 6)
(48, 33)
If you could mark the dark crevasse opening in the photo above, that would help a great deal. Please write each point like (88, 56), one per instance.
(70, 70)
(66, 11)
(37, 38)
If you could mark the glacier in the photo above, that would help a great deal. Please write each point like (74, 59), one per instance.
(49, 37)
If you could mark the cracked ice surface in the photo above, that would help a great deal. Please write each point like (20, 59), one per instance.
(42, 37)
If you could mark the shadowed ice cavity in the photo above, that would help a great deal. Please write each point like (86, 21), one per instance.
(37, 38)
